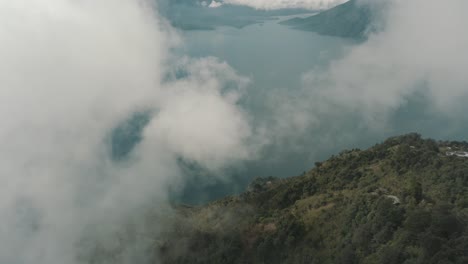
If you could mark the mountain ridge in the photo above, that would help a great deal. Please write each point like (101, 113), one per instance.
(348, 20)
(401, 201)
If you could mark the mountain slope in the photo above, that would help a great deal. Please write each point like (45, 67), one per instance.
(348, 20)
(402, 201)
(192, 15)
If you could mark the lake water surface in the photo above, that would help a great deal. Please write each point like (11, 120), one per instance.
(275, 57)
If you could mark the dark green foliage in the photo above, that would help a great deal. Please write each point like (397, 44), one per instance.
(417, 221)
(402, 201)
(416, 189)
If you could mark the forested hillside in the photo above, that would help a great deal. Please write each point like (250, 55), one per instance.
(349, 20)
(402, 201)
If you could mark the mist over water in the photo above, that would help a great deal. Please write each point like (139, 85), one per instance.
(274, 58)
(74, 75)
(284, 105)
(107, 111)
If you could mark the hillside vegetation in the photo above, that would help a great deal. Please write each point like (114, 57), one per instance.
(349, 20)
(402, 201)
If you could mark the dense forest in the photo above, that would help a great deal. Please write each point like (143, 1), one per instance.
(402, 201)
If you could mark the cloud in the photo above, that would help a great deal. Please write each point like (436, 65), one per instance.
(199, 121)
(215, 4)
(407, 77)
(71, 72)
(280, 4)
(419, 52)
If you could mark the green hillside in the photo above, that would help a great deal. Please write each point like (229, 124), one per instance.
(348, 20)
(402, 201)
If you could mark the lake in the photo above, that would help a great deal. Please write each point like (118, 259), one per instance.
(275, 57)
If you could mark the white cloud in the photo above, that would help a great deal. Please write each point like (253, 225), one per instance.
(198, 120)
(215, 4)
(421, 50)
(70, 71)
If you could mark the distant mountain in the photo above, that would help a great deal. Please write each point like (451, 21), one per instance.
(402, 201)
(192, 15)
(349, 20)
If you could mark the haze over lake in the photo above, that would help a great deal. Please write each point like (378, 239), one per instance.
(118, 116)
(275, 58)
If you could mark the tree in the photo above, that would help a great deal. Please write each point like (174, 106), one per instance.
(416, 190)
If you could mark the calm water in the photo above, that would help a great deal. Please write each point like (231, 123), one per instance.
(272, 55)
(275, 57)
